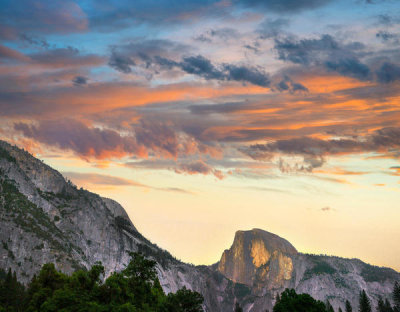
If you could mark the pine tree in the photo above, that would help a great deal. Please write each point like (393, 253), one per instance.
(365, 303)
(396, 297)
(348, 306)
(329, 307)
(388, 307)
(381, 305)
(238, 308)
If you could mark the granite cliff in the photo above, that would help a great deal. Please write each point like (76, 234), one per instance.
(44, 218)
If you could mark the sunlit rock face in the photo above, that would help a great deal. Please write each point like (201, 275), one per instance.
(258, 256)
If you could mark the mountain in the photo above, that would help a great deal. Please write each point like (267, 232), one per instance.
(44, 218)
(267, 264)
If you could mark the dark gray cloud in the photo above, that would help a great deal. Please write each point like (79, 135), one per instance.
(247, 74)
(144, 53)
(349, 67)
(387, 36)
(388, 72)
(35, 41)
(287, 84)
(195, 65)
(326, 52)
(220, 34)
(121, 62)
(79, 80)
(283, 6)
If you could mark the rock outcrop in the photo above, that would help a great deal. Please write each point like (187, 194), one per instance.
(44, 218)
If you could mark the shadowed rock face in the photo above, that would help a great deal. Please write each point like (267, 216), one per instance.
(258, 256)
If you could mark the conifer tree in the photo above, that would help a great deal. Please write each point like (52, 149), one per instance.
(238, 308)
(388, 307)
(329, 307)
(381, 305)
(348, 306)
(396, 297)
(365, 303)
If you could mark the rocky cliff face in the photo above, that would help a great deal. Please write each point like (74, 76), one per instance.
(44, 218)
(268, 264)
(258, 258)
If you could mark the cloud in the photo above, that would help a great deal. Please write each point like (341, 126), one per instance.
(219, 34)
(121, 63)
(34, 41)
(326, 52)
(388, 73)
(199, 167)
(101, 179)
(386, 36)
(66, 58)
(79, 80)
(287, 84)
(83, 179)
(283, 6)
(388, 20)
(196, 65)
(314, 150)
(47, 16)
(349, 67)
(271, 28)
(69, 134)
(147, 137)
(11, 54)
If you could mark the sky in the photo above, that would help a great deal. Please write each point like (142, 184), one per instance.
(206, 117)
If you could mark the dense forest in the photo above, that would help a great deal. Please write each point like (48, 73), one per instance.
(137, 289)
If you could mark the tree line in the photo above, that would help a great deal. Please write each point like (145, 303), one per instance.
(290, 301)
(135, 289)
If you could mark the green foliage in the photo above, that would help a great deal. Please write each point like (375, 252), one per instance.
(12, 293)
(372, 273)
(135, 289)
(384, 306)
(6, 155)
(329, 307)
(320, 267)
(364, 302)
(238, 308)
(396, 297)
(348, 307)
(289, 301)
(183, 300)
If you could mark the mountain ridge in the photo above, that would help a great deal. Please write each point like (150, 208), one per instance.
(45, 218)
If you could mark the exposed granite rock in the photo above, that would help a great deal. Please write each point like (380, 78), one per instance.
(44, 218)
(268, 264)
